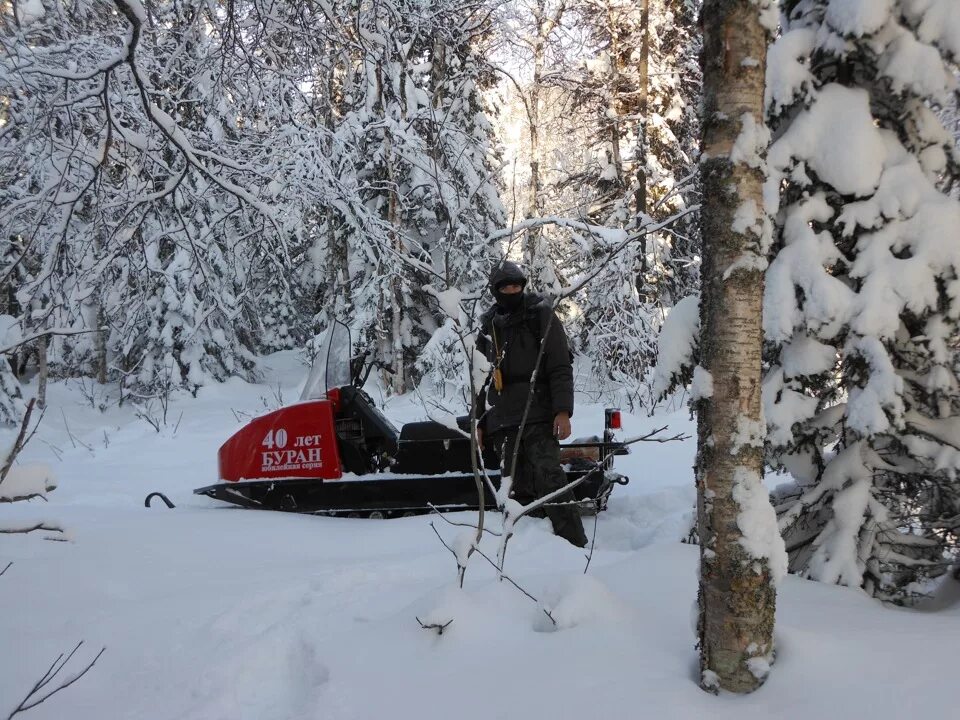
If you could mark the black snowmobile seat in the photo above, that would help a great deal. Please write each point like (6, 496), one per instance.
(431, 448)
(428, 430)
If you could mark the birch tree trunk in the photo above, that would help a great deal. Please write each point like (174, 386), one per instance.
(643, 144)
(43, 371)
(395, 380)
(398, 383)
(615, 101)
(643, 106)
(534, 206)
(338, 273)
(737, 592)
(100, 346)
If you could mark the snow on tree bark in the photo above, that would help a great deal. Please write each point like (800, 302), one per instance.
(738, 556)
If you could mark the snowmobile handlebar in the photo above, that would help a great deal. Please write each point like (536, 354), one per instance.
(361, 367)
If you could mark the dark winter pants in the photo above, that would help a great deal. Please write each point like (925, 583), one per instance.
(538, 473)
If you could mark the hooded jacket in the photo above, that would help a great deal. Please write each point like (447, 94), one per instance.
(511, 341)
(505, 272)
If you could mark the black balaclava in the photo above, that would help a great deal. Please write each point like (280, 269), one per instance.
(507, 273)
(509, 302)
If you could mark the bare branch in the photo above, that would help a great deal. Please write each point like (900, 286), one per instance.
(501, 575)
(527, 509)
(18, 443)
(73, 438)
(504, 576)
(593, 540)
(35, 698)
(651, 437)
(435, 626)
(460, 524)
(444, 542)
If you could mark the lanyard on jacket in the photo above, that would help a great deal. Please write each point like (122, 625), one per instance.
(497, 373)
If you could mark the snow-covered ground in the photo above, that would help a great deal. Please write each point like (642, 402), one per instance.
(210, 612)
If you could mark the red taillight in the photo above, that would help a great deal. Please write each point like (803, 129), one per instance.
(333, 395)
(613, 419)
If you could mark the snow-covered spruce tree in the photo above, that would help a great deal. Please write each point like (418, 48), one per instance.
(638, 92)
(425, 189)
(861, 394)
(741, 552)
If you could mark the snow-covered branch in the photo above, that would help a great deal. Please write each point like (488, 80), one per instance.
(63, 332)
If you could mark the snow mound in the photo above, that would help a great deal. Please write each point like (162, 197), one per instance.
(25, 481)
(581, 600)
(279, 662)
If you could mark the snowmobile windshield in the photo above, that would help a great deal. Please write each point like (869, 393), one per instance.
(331, 365)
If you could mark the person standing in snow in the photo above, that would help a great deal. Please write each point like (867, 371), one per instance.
(510, 336)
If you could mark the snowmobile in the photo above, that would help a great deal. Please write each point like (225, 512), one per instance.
(335, 453)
